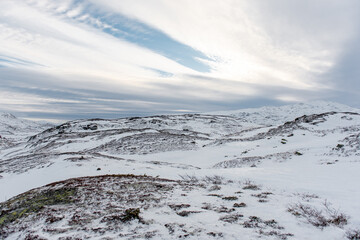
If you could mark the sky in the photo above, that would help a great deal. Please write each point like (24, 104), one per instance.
(71, 59)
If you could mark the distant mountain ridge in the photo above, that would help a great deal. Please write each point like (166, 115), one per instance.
(15, 129)
(271, 115)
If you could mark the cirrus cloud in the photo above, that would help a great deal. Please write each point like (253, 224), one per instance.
(158, 56)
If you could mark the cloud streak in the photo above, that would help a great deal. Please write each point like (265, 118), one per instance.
(157, 56)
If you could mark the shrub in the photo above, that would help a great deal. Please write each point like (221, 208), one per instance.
(231, 218)
(186, 213)
(339, 146)
(319, 218)
(353, 234)
(230, 198)
(130, 214)
(238, 205)
(249, 185)
(218, 180)
(189, 178)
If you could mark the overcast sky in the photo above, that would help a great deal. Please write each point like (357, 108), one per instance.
(74, 59)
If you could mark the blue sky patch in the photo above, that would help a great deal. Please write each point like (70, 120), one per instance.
(161, 73)
(145, 36)
(5, 61)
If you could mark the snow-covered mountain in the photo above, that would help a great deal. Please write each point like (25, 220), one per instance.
(277, 115)
(14, 130)
(286, 172)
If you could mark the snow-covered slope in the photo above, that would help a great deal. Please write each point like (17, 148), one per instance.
(277, 115)
(13, 129)
(278, 176)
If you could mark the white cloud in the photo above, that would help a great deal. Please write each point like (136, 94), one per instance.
(288, 42)
(65, 46)
(25, 102)
(257, 47)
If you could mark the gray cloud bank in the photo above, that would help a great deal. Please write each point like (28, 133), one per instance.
(48, 97)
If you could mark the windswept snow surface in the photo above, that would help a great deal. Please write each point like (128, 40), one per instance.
(282, 165)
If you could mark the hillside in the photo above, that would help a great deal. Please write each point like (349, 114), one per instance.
(14, 130)
(276, 115)
(286, 172)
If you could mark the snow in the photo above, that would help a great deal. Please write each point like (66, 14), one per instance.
(320, 172)
(15, 129)
(276, 115)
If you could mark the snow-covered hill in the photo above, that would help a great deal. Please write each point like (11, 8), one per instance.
(277, 115)
(13, 129)
(286, 172)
